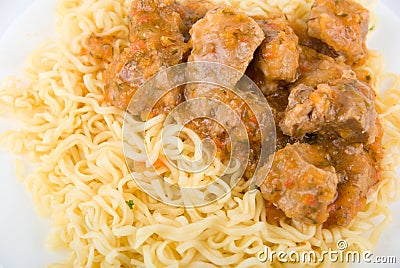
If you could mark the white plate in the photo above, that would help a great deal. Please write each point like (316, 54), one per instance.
(23, 26)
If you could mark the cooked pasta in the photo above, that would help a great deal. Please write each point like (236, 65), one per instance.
(82, 183)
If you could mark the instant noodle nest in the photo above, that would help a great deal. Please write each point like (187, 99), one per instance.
(81, 181)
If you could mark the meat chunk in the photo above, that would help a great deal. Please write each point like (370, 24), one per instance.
(345, 107)
(227, 36)
(301, 183)
(316, 68)
(343, 25)
(156, 43)
(301, 30)
(278, 55)
(276, 93)
(191, 11)
(359, 175)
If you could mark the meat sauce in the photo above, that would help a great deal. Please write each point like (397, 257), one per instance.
(329, 139)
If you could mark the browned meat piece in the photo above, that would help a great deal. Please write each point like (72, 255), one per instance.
(278, 55)
(301, 30)
(227, 36)
(267, 87)
(359, 176)
(301, 183)
(316, 68)
(277, 97)
(156, 43)
(278, 102)
(191, 11)
(345, 107)
(343, 25)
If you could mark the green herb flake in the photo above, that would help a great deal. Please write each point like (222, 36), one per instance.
(130, 204)
(228, 12)
(372, 28)
(118, 85)
(171, 40)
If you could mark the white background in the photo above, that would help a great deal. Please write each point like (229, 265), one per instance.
(22, 232)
